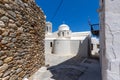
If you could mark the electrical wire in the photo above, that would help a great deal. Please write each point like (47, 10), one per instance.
(57, 10)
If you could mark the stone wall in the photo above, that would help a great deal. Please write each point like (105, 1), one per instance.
(21, 39)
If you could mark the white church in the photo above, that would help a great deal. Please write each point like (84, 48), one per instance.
(65, 44)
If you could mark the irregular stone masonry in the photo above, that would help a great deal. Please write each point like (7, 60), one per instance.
(22, 33)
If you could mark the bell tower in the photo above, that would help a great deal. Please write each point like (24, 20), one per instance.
(48, 28)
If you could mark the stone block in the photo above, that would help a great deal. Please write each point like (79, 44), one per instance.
(4, 68)
(8, 59)
(2, 24)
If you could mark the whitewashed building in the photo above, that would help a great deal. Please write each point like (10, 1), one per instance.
(95, 47)
(65, 44)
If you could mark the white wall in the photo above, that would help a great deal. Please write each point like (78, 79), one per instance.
(110, 39)
(61, 52)
(95, 47)
(84, 48)
(62, 47)
(65, 48)
(48, 48)
(75, 44)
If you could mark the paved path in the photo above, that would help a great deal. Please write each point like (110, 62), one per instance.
(88, 70)
(93, 71)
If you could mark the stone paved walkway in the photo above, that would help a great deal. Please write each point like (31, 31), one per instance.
(88, 70)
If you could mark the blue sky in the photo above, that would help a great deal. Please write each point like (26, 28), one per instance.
(74, 13)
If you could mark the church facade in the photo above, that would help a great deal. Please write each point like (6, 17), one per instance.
(65, 44)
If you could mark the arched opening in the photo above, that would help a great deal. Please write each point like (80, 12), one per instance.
(63, 34)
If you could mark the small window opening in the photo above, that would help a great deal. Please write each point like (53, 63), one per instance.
(58, 34)
(51, 44)
(50, 28)
(91, 46)
(47, 29)
(98, 46)
(63, 33)
(68, 33)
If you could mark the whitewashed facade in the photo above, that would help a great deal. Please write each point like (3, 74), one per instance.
(65, 44)
(95, 47)
(110, 39)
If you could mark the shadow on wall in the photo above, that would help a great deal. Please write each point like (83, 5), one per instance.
(83, 50)
(75, 67)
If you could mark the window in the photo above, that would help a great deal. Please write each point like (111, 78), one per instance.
(63, 33)
(50, 29)
(58, 34)
(51, 44)
(91, 46)
(67, 33)
(47, 28)
(98, 46)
